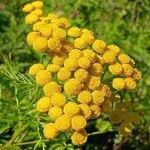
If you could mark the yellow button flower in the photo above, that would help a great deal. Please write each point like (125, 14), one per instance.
(96, 111)
(93, 83)
(98, 97)
(85, 97)
(45, 30)
(59, 59)
(78, 122)
(72, 87)
(99, 46)
(118, 83)
(37, 4)
(63, 74)
(80, 43)
(37, 12)
(85, 111)
(27, 8)
(50, 88)
(55, 112)
(130, 83)
(71, 109)
(38, 25)
(115, 69)
(96, 69)
(40, 44)
(59, 34)
(31, 37)
(54, 44)
(43, 77)
(35, 68)
(136, 75)
(63, 22)
(79, 137)
(43, 104)
(63, 123)
(30, 19)
(53, 68)
(124, 58)
(90, 55)
(81, 75)
(109, 57)
(75, 53)
(50, 131)
(58, 99)
(115, 49)
(127, 69)
(88, 37)
(74, 32)
(71, 64)
(84, 62)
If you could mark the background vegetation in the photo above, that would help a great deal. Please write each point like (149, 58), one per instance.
(122, 22)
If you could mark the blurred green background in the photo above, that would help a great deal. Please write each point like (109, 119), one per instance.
(125, 23)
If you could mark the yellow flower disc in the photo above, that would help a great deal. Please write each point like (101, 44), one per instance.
(40, 44)
(59, 59)
(30, 19)
(130, 83)
(43, 104)
(71, 109)
(127, 69)
(99, 46)
(96, 111)
(71, 64)
(38, 25)
(35, 68)
(50, 88)
(84, 62)
(115, 49)
(90, 55)
(136, 75)
(79, 137)
(43, 77)
(63, 123)
(85, 97)
(72, 87)
(118, 83)
(74, 32)
(45, 30)
(27, 8)
(50, 131)
(75, 54)
(59, 34)
(55, 112)
(80, 43)
(124, 58)
(96, 69)
(31, 37)
(37, 4)
(58, 99)
(93, 83)
(37, 12)
(78, 122)
(115, 69)
(53, 68)
(85, 111)
(81, 75)
(54, 44)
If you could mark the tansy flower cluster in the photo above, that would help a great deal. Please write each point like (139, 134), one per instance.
(72, 83)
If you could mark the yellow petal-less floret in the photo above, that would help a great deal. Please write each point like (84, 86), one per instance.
(96, 69)
(35, 68)
(93, 83)
(71, 109)
(136, 75)
(127, 69)
(124, 58)
(78, 123)
(85, 97)
(59, 34)
(38, 25)
(58, 99)
(87, 36)
(80, 43)
(85, 111)
(54, 44)
(115, 69)
(40, 44)
(37, 12)
(109, 57)
(96, 111)
(59, 59)
(75, 53)
(74, 32)
(45, 30)
(50, 131)
(72, 87)
(130, 83)
(55, 112)
(118, 83)
(43, 104)
(84, 62)
(53, 68)
(31, 18)
(50, 88)
(63, 123)
(37, 4)
(90, 55)
(63, 74)
(98, 97)
(63, 22)
(71, 64)
(31, 37)
(79, 137)
(99, 46)
(43, 77)
(27, 8)
(81, 75)
(115, 49)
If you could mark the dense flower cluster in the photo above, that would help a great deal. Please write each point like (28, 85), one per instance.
(76, 70)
